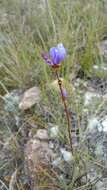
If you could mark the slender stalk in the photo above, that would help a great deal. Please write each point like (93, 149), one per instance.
(65, 109)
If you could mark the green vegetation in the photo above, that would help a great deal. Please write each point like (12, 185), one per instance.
(28, 28)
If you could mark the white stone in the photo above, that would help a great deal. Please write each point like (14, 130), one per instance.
(104, 124)
(93, 123)
(99, 127)
(61, 177)
(67, 156)
(30, 97)
(95, 67)
(104, 68)
(101, 68)
(42, 134)
(54, 131)
(56, 162)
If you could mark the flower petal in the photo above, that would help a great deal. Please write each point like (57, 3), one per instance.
(54, 53)
(45, 56)
(62, 51)
(58, 53)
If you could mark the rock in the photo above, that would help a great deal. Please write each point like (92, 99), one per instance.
(92, 124)
(39, 153)
(79, 82)
(12, 100)
(89, 97)
(30, 97)
(38, 158)
(67, 156)
(53, 132)
(96, 67)
(42, 134)
(51, 145)
(104, 125)
(57, 162)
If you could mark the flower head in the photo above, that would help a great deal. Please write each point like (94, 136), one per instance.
(56, 55)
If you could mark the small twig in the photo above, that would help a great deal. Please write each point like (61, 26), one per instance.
(66, 110)
(90, 183)
(79, 177)
(13, 180)
(3, 185)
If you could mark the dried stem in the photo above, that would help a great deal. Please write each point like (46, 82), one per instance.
(66, 110)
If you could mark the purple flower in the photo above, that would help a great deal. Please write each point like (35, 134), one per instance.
(56, 55)
(45, 56)
(64, 92)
